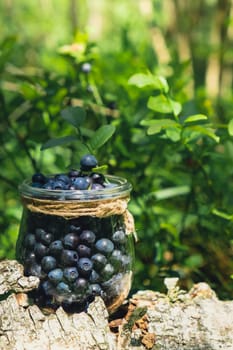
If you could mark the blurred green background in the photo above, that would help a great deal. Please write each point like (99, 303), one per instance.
(181, 172)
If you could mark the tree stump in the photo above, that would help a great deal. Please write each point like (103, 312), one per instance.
(178, 320)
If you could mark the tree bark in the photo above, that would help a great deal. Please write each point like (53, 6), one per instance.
(177, 320)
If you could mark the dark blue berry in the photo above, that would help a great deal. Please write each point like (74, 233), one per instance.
(88, 237)
(94, 277)
(38, 178)
(80, 285)
(39, 233)
(34, 269)
(88, 162)
(74, 229)
(126, 261)
(97, 187)
(29, 240)
(98, 178)
(63, 288)
(99, 261)
(74, 173)
(63, 178)
(107, 271)
(70, 274)
(56, 248)
(95, 289)
(116, 258)
(48, 263)
(30, 257)
(55, 276)
(83, 250)
(70, 240)
(104, 245)
(119, 237)
(82, 183)
(46, 238)
(85, 266)
(69, 257)
(48, 288)
(40, 250)
(59, 185)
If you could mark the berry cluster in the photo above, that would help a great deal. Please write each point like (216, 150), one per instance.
(76, 259)
(81, 179)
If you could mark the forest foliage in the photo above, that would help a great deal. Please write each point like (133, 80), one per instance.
(160, 74)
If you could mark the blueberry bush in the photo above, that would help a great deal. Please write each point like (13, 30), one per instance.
(158, 115)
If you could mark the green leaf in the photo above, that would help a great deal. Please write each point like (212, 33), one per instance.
(141, 80)
(230, 127)
(155, 126)
(74, 115)
(171, 192)
(58, 142)
(101, 136)
(206, 131)
(174, 134)
(194, 118)
(160, 104)
(176, 107)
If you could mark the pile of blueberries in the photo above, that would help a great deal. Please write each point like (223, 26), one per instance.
(75, 259)
(81, 179)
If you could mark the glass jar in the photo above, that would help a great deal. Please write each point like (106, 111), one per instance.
(79, 243)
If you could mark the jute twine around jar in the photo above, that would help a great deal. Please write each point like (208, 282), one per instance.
(73, 209)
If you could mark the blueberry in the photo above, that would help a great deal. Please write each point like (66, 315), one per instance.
(70, 273)
(83, 250)
(38, 178)
(80, 285)
(63, 288)
(74, 173)
(116, 258)
(126, 261)
(37, 185)
(82, 183)
(85, 266)
(48, 263)
(104, 246)
(34, 269)
(59, 185)
(39, 233)
(98, 178)
(48, 288)
(88, 162)
(99, 261)
(63, 178)
(69, 257)
(95, 289)
(70, 240)
(107, 271)
(88, 237)
(46, 238)
(74, 229)
(29, 240)
(86, 67)
(40, 250)
(94, 277)
(48, 186)
(97, 187)
(55, 276)
(56, 248)
(30, 257)
(119, 237)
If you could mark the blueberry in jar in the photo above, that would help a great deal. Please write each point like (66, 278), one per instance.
(88, 237)
(56, 247)
(99, 261)
(40, 250)
(80, 285)
(82, 183)
(104, 245)
(85, 266)
(70, 274)
(48, 263)
(70, 240)
(69, 257)
(119, 237)
(63, 288)
(29, 240)
(83, 251)
(55, 276)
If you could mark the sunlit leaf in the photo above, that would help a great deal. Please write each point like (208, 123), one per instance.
(155, 126)
(174, 134)
(176, 107)
(194, 118)
(222, 214)
(157, 82)
(160, 104)
(171, 192)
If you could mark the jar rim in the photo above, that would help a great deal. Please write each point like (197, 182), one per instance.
(122, 188)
